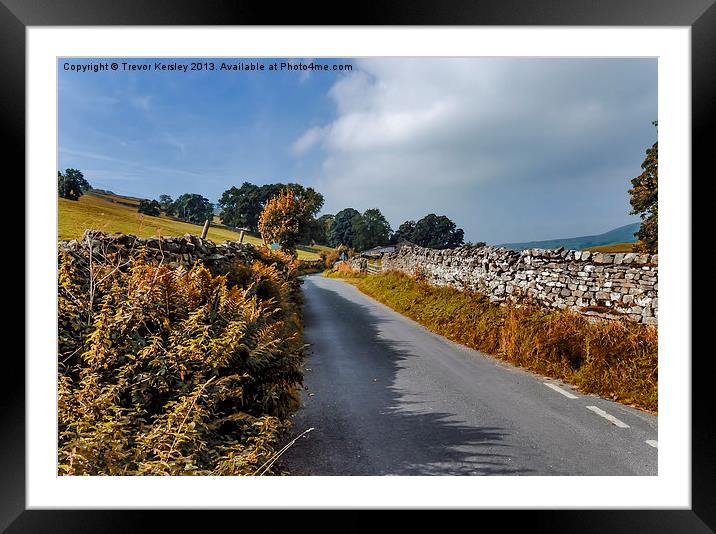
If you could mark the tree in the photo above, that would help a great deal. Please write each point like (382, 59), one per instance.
(241, 206)
(316, 230)
(194, 208)
(166, 204)
(437, 231)
(370, 229)
(325, 223)
(341, 233)
(404, 232)
(68, 187)
(79, 178)
(283, 220)
(149, 207)
(313, 232)
(311, 199)
(327, 220)
(644, 196)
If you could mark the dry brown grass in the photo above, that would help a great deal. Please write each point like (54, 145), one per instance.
(616, 247)
(615, 359)
(342, 271)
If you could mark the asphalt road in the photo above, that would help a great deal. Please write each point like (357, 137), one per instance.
(387, 397)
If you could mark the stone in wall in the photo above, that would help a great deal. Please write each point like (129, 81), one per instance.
(357, 263)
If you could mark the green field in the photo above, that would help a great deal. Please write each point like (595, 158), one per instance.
(112, 213)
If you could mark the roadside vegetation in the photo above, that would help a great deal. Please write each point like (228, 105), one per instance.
(175, 371)
(615, 359)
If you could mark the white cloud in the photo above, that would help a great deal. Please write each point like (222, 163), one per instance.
(308, 140)
(304, 75)
(413, 136)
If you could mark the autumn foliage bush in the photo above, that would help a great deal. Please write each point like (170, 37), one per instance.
(283, 219)
(329, 257)
(616, 359)
(167, 371)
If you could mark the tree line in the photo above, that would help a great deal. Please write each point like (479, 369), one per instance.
(189, 207)
(243, 207)
(239, 207)
(290, 218)
(361, 231)
(289, 213)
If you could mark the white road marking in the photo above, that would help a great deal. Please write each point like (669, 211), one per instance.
(608, 417)
(560, 390)
(652, 442)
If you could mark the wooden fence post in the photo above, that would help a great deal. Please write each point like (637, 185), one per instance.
(241, 237)
(205, 230)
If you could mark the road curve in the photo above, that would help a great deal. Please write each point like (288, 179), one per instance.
(388, 397)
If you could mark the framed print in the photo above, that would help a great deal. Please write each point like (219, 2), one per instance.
(344, 252)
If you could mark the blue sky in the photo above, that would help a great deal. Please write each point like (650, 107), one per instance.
(510, 149)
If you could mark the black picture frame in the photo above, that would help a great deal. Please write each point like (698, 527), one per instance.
(699, 15)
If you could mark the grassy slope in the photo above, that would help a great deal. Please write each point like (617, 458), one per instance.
(100, 213)
(617, 247)
(614, 359)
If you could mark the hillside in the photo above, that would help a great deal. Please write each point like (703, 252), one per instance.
(113, 213)
(623, 234)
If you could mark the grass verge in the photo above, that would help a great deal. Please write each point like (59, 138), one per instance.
(615, 359)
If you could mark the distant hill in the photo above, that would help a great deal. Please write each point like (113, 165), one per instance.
(109, 196)
(623, 234)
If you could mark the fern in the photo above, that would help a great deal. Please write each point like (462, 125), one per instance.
(174, 371)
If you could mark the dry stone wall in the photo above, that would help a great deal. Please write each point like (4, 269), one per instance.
(608, 285)
(173, 251)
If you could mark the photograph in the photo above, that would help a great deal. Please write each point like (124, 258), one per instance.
(406, 261)
(357, 266)
(405, 257)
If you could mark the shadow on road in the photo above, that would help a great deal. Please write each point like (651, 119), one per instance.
(366, 421)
